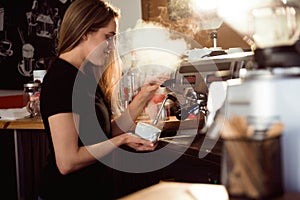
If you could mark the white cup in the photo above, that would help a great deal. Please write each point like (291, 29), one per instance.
(235, 50)
(38, 75)
(147, 131)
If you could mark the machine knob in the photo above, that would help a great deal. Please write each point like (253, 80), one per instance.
(183, 113)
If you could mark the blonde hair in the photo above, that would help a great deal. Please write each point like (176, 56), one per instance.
(81, 18)
(109, 83)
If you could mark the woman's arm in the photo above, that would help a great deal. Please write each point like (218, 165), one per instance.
(70, 157)
(126, 121)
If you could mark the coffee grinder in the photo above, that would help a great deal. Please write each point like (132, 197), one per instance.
(270, 91)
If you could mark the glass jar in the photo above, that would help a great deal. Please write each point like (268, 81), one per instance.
(32, 94)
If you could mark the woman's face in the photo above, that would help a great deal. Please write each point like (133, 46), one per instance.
(98, 45)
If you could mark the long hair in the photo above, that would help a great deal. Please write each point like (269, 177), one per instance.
(81, 18)
(109, 83)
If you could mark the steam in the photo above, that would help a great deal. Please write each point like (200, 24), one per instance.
(193, 18)
(156, 50)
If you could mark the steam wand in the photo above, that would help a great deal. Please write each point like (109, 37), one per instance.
(214, 36)
(184, 112)
(169, 96)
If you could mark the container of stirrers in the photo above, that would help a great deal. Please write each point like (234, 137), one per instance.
(251, 167)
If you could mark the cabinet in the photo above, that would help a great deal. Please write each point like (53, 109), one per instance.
(24, 147)
(7, 167)
(189, 167)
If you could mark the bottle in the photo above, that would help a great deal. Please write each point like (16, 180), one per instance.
(32, 95)
(134, 73)
(129, 84)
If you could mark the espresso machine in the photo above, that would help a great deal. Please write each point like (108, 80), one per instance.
(191, 82)
(269, 92)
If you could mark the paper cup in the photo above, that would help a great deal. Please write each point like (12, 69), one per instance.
(147, 131)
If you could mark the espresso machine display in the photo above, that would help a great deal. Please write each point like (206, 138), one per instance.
(189, 80)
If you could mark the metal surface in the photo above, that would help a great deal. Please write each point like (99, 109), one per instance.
(179, 139)
(17, 164)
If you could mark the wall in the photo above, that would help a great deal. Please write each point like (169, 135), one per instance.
(130, 11)
(20, 27)
(157, 10)
(18, 30)
(28, 35)
(150, 10)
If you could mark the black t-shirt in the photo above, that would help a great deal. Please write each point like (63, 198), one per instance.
(65, 89)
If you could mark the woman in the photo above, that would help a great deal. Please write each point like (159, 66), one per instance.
(77, 107)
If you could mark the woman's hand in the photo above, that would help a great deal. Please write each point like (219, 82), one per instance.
(146, 92)
(126, 121)
(137, 143)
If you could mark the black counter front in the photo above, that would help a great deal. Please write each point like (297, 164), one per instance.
(198, 161)
(24, 147)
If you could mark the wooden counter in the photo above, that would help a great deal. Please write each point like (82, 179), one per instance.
(26, 123)
(191, 191)
(180, 191)
(37, 123)
(174, 124)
